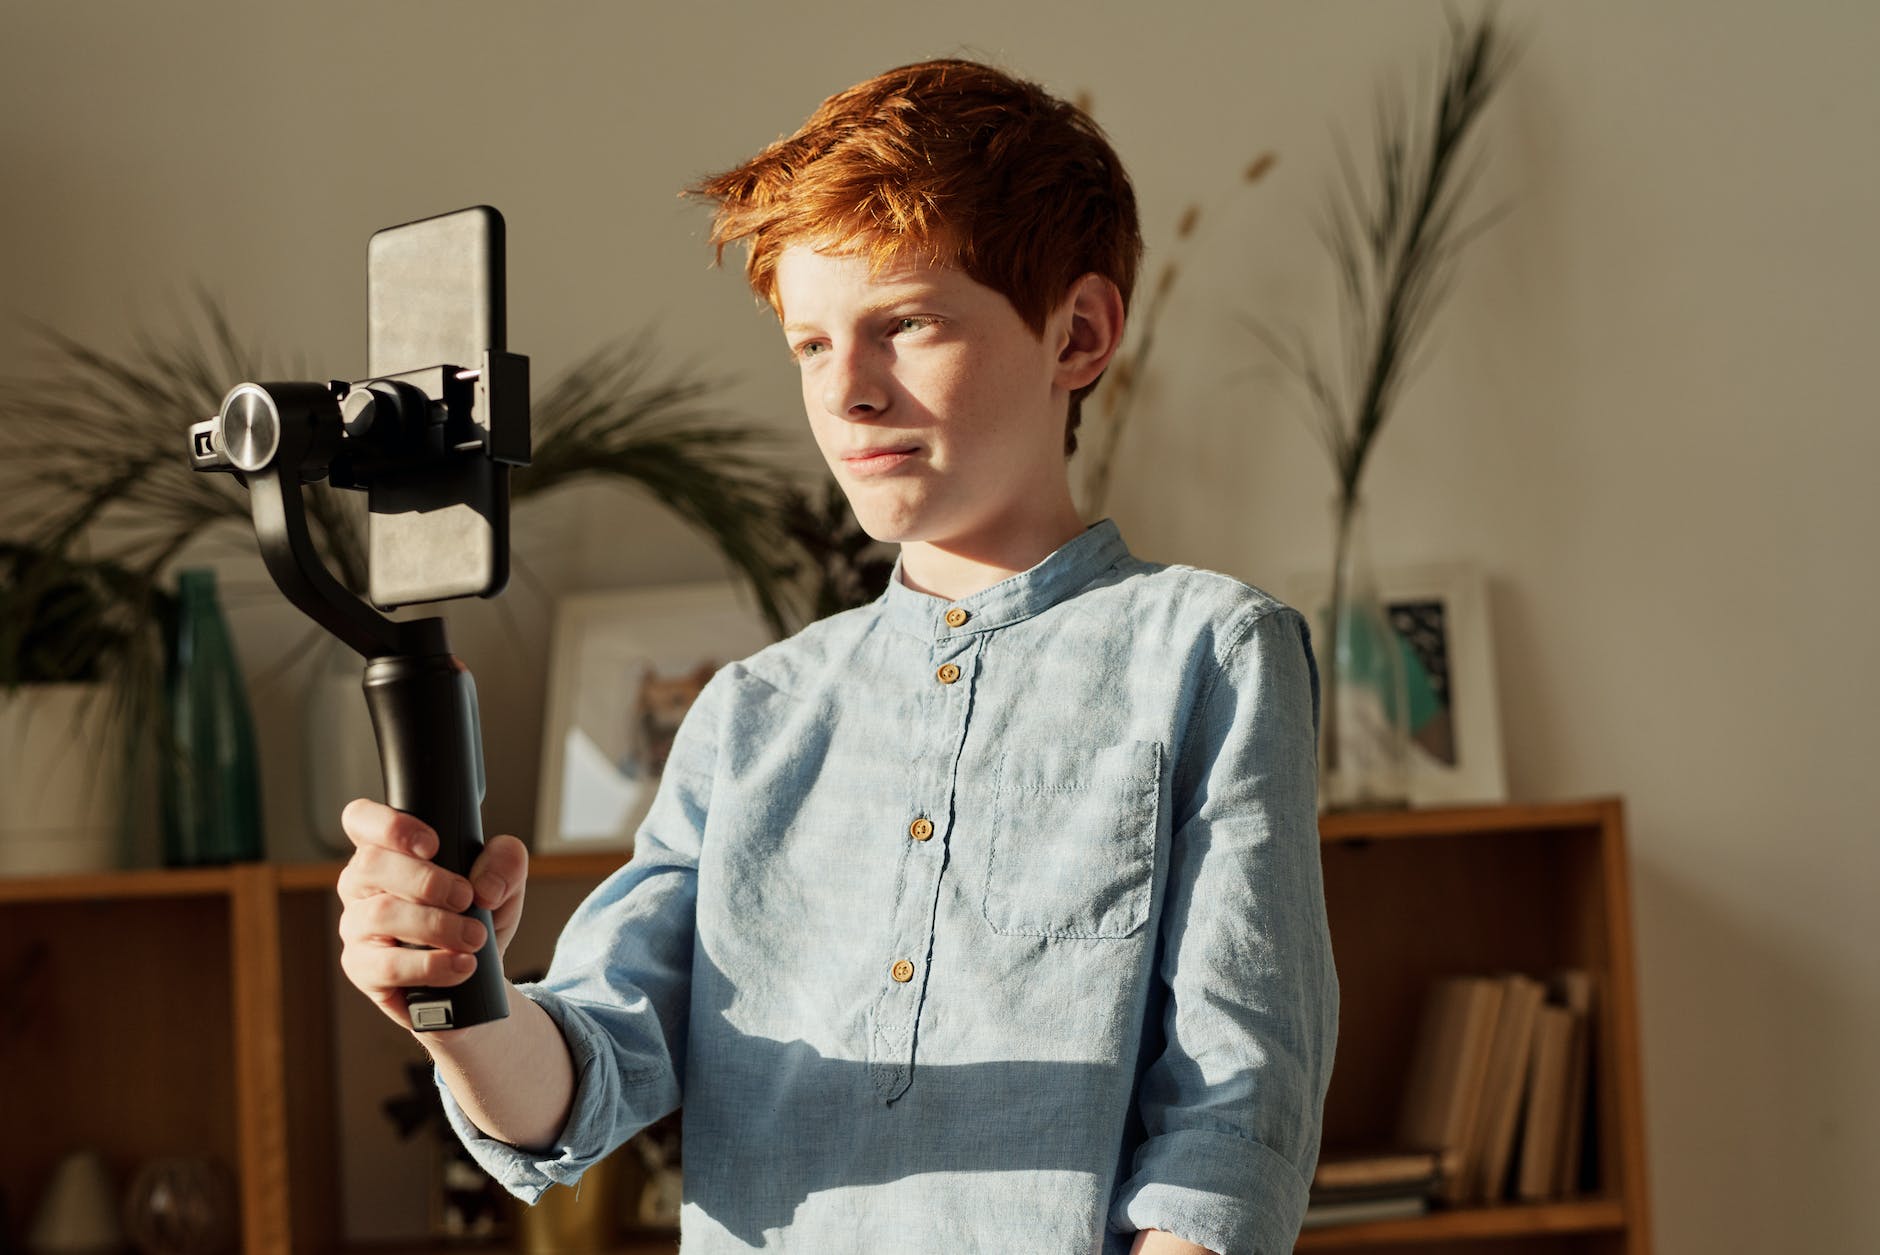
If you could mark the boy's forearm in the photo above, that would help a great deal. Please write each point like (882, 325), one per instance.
(513, 1077)
(1156, 1242)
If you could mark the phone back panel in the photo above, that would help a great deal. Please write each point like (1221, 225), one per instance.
(435, 297)
(435, 292)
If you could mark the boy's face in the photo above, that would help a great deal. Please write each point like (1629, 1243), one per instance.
(938, 410)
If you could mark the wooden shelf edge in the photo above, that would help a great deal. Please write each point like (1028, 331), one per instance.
(291, 877)
(1452, 821)
(143, 882)
(1591, 1215)
(578, 866)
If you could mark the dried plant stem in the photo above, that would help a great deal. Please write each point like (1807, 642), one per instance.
(1394, 245)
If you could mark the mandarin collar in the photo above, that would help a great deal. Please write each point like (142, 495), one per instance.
(1069, 568)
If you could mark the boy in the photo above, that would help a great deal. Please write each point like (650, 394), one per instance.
(984, 917)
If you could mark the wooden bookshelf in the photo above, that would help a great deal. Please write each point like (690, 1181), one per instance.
(1417, 895)
(211, 1037)
(212, 1033)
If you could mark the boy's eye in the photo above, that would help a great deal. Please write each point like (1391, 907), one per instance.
(815, 348)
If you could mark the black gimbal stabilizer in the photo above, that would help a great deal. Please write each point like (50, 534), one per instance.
(430, 438)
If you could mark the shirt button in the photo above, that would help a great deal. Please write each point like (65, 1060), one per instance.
(920, 829)
(948, 673)
(957, 617)
(902, 971)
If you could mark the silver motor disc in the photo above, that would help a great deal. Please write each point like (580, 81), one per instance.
(251, 430)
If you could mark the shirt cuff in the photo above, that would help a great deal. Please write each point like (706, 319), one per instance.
(588, 1136)
(1229, 1194)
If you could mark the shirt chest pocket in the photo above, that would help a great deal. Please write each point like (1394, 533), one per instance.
(1070, 850)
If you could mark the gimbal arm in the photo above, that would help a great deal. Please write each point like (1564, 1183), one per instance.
(276, 437)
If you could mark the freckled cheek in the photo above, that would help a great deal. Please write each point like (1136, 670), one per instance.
(976, 415)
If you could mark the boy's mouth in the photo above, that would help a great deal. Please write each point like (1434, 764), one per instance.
(878, 460)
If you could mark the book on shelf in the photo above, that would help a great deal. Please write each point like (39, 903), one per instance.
(1546, 1105)
(1357, 1210)
(1425, 1188)
(1362, 1175)
(1573, 989)
(1350, 1168)
(1448, 1072)
(1495, 1088)
(1492, 1143)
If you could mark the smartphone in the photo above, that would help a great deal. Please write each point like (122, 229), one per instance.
(435, 297)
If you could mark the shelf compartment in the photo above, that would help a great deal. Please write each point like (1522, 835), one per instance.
(1413, 897)
(117, 1034)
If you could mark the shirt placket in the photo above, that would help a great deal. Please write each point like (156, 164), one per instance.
(945, 709)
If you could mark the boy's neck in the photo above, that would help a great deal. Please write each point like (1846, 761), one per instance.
(957, 569)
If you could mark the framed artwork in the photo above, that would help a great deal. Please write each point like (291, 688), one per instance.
(1440, 613)
(624, 667)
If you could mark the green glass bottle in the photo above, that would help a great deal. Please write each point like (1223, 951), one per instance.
(211, 782)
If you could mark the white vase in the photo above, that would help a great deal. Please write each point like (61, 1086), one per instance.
(61, 779)
(78, 1214)
(340, 751)
(1364, 761)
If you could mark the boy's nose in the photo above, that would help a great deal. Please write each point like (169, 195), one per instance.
(854, 388)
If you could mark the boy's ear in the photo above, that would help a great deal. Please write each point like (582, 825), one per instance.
(1089, 329)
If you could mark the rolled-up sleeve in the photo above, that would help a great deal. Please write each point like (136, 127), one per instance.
(619, 987)
(1233, 1106)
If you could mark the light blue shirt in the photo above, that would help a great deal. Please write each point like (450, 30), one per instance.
(994, 932)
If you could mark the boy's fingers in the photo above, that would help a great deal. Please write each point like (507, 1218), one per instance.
(374, 968)
(499, 870)
(371, 823)
(375, 870)
(373, 921)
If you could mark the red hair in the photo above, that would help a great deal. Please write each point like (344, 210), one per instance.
(947, 163)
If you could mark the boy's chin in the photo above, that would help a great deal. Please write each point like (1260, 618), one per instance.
(884, 532)
(893, 515)
(884, 525)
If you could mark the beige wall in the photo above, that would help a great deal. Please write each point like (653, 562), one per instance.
(1649, 414)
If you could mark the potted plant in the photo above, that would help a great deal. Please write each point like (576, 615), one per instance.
(78, 646)
(92, 451)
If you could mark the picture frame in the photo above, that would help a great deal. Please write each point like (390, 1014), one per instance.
(623, 669)
(1440, 611)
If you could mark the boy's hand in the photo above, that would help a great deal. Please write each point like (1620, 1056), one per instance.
(393, 893)
(1156, 1242)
